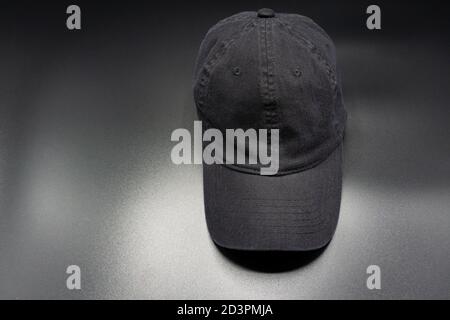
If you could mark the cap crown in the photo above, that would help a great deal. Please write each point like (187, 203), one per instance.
(276, 72)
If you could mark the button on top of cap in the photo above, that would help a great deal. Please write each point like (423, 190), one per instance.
(266, 13)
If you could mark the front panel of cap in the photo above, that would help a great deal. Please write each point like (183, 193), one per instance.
(233, 99)
(306, 99)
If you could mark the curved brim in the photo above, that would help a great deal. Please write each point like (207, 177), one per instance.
(295, 212)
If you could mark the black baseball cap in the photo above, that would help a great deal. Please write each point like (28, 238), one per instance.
(267, 70)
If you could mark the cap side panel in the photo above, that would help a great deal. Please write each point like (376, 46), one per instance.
(315, 52)
(215, 56)
(218, 33)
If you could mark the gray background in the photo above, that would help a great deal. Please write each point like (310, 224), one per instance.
(86, 176)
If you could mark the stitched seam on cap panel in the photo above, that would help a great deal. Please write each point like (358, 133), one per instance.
(300, 223)
(295, 217)
(234, 18)
(263, 58)
(286, 171)
(271, 117)
(271, 75)
(275, 229)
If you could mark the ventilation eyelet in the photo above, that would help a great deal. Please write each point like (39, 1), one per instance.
(297, 72)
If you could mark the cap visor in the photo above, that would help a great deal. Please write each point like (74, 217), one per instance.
(295, 212)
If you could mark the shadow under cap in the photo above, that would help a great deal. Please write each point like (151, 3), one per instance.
(271, 261)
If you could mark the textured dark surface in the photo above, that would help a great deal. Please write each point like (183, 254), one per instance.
(86, 177)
